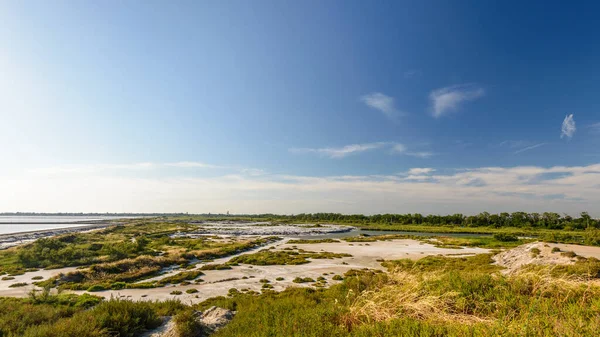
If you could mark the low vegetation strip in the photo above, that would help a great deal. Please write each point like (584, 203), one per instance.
(270, 257)
(309, 241)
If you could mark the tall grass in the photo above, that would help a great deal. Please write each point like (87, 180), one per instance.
(435, 296)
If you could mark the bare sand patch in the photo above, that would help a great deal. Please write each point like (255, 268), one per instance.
(514, 259)
(364, 255)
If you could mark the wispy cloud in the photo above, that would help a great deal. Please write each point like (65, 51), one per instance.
(449, 99)
(513, 144)
(420, 154)
(412, 73)
(383, 103)
(191, 164)
(569, 189)
(568, 127)
(344, 151)
(421, 170)
(341, 152)
(594, 127)
(398, 148)
(530, 148)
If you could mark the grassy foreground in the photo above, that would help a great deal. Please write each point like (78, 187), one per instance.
(434, 296)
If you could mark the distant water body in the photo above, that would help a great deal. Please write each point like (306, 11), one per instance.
(17, 224)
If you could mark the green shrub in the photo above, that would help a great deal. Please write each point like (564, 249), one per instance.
(7, 278)
(118, 285)
(17, 285)
(37, 278)
(176, 292)
(124, 317)
(569, 254)
(337, 278)
(215, 267)
(191, 291)
(187, 325)
(535, 252)
(302, 280)
(505, 237)
(279, 279)
(96, 287)
(555, 250)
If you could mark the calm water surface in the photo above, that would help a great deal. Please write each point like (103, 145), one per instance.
(17, 224)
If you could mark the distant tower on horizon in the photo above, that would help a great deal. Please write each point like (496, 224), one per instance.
(227, 212)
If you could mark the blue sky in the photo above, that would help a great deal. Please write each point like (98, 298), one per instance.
(343, 106)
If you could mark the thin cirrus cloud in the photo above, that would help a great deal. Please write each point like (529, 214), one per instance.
(341, 152)
(383, 103)
(448, 99)
(594, 128)
(353, 149)
(568, 127)
(535, 146)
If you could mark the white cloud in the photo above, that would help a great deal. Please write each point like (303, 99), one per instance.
(421, 154)
(398, 148)
(530, 147)
(569, 189)
(595, 127)
(191, 164)
(344, 151)
(568, 127)
(421, 170)
(448, 99)
(341, 152)
(382, 103)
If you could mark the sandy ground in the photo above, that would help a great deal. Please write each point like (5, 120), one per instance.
(218, 282)
(5, 290)
(364, 255)
(515, 258)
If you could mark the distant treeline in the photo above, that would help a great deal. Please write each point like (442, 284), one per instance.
(547, 220)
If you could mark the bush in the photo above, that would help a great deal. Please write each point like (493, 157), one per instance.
(187, 325)
(555, 250)
(302, 280)
(96, 287)
(17, 285)
(337, 278)
(125, 318)
(279, 279)
(505, 237)
(37, 278)
(176, 292)
(535, 252)
(569, 254)
(118, 285)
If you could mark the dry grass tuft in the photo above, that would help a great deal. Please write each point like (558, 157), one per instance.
(406, 297)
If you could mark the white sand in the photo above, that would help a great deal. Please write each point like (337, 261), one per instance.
(364, 255)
